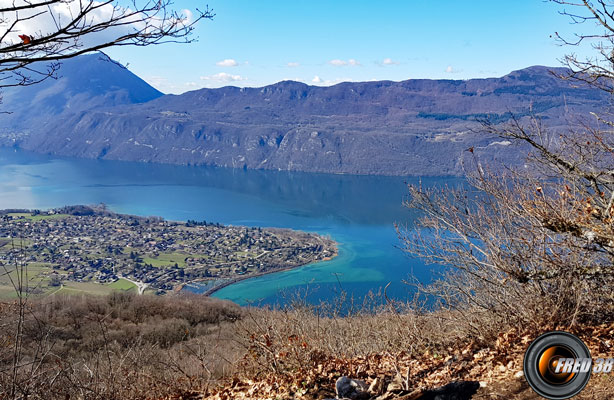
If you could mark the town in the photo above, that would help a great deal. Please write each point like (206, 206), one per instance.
(92, 244)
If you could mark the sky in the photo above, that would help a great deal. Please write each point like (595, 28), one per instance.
(257, 43)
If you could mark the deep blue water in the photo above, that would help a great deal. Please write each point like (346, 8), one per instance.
(356, 211)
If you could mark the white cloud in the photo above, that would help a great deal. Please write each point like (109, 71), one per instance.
(165, 86)
(389, 61)
(293, 64)
(451, 70)
(328, 82)
(229, 62)
(223, 77)
(340, 63)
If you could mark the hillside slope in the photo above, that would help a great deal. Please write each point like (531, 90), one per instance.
(390, 128)
(88, 82)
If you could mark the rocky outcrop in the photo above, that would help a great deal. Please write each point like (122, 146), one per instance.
(355, 389)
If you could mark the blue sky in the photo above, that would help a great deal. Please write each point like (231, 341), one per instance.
(255, 43)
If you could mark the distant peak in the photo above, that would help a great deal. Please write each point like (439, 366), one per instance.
(539, 70)
(289, 84)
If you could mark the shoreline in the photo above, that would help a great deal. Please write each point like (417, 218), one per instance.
(291, 237)
(238, 279)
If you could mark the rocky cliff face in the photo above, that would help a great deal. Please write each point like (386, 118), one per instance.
(414, 127)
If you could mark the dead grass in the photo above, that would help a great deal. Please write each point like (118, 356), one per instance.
(124, 346)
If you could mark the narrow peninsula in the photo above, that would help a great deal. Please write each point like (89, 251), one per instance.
(85, 248)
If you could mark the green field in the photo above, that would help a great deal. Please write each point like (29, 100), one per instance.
(122, 284)
(84, 287)
(96, 288)
(38, 217)
(36, 278)
(37, 275)
(166, 259)
(7, 243)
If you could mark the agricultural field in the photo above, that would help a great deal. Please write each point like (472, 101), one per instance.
(39, 282)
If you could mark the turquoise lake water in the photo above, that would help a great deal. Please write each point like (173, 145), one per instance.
(359, 212)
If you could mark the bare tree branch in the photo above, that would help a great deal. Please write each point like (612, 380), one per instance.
(54, 30)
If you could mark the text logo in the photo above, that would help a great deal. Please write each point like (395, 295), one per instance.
(558, 365)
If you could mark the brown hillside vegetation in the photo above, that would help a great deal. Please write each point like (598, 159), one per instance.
(125, 346)
(404, 355)
(121, 346)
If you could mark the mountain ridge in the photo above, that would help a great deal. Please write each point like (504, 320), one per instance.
(379, 128)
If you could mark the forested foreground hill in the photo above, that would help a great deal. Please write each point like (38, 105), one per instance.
(100, 110)
(125, 346)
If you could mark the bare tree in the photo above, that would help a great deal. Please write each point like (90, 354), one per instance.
(47, 31)
(532, 245)
(596, 20)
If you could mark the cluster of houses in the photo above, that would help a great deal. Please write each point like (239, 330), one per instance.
(102, 247)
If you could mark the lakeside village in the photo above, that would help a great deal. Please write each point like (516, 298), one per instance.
(91, 244)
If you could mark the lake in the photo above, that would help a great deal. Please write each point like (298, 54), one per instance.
(356, 211)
